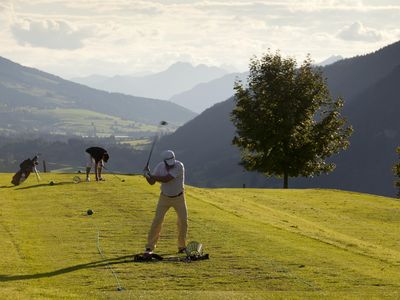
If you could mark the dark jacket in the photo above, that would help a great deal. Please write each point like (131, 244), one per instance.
(98, 153)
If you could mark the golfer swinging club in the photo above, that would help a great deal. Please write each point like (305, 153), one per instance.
(97, 156)
(171, 174)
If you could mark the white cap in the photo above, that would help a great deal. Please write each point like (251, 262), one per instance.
(169, 157)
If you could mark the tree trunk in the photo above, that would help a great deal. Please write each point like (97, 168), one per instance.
(285, 180)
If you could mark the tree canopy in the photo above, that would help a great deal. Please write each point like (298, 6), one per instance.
(287, 123)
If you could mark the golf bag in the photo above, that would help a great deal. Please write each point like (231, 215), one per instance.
(26, 168)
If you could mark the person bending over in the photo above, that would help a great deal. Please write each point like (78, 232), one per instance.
(96, 156)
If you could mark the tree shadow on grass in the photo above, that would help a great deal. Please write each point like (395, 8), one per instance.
(96, 264)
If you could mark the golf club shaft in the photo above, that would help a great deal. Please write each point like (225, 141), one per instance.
(112, 173)
(162, 123)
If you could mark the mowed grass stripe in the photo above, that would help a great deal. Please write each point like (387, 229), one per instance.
(298, 249)
(254, 254)
(328, 232)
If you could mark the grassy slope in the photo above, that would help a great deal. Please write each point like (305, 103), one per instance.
(79, 121)
(263, 243)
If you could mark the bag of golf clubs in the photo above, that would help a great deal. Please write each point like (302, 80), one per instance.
(26, 168)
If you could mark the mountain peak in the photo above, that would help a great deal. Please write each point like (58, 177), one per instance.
(330, 60)
(180, 66)
(188, 67)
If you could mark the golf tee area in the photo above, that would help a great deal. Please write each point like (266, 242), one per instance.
(262, 243)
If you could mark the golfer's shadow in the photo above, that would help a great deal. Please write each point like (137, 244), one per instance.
(96, 264)
(45, 184)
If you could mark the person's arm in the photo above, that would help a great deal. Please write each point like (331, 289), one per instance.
(164, 179)
(147, 175)
(152, 179)
(149, 178)
(173, 173)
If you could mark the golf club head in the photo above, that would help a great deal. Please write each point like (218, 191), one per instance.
(76, 179)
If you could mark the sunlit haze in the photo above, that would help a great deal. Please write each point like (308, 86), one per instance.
(79, 38)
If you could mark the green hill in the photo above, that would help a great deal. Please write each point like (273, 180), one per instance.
(263, 244)
(36, 101)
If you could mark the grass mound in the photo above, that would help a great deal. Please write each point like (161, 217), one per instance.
(275, 244)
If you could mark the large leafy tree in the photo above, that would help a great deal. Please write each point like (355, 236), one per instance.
(287, 124)
(396, 170)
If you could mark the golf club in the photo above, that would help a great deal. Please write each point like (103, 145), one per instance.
(115, 175)
(162, 123)
(151, 152)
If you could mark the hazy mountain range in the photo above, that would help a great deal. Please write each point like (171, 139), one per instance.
(195, 88)
(205, 95)
(177, 78)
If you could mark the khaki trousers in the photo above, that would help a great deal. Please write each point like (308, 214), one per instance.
(164, 204)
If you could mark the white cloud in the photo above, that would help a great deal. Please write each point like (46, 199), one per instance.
(53, 34)
(127, 36)
(6, 14)
(358, 32)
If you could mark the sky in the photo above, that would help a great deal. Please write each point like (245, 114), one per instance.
(77, 38)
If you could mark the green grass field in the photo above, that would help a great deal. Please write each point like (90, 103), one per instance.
(81, 122)
(263, 244)
(138, 144)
